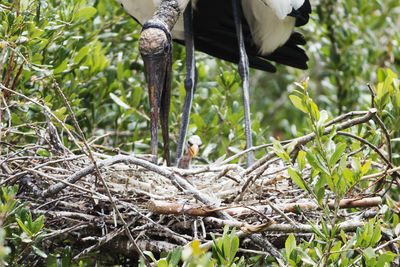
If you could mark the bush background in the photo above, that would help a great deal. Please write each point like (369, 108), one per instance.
(90, 48)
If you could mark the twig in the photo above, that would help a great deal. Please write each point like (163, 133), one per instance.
(345, 116)
(307, 138)
(103, 240)
(252, 178)
(168, 207)
(99, 175)
(379, 174)
(10, 68)
(3, 99)
(20, 174)
(362, 140)
(380, 247)
(3, 54)
(387, 135)
(45, 108)
(372, 95)
(275, 208)
(179, 182)
(17, 76)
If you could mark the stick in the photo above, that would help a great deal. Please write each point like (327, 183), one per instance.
(164, 207)
(307, 138)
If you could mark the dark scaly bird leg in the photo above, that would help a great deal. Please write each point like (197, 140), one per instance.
(164, 109)
(243, 68)
(190, 80)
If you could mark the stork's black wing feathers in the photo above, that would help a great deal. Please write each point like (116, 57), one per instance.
(215, 34)
(229, 53)
(290, 54)
(302, 14)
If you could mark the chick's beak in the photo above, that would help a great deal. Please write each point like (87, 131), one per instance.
(194, 150)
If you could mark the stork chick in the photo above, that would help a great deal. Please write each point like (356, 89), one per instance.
(192, 149)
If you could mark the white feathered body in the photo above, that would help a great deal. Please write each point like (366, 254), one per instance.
(269, 24)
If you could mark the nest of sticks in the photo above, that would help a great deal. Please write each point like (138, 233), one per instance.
(124, 204)
(165, 207)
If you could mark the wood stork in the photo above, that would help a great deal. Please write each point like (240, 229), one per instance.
(247, 32)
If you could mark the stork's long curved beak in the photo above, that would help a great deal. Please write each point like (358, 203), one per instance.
(157, 65)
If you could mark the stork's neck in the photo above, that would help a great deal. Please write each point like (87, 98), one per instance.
(167, 13)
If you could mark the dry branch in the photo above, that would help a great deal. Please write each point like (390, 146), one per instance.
(164, 207)
(307, 138)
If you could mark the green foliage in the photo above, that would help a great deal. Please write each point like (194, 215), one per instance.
(22, 234)
(90, 48)
(334, 167)
(223, 253)
(224, 250)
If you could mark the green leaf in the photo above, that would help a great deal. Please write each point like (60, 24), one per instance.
(60, 113)
(369, 253)
(63, 66)
(343, 162)
(291, 146)
(136, 96)
(234, 248)
(38, 224)
(315, 163)
(356, 165)
(348, 175)
(150, 255)
(175, 256)
(119, 102)
(43, 153)
(301, 161)
(162, 263)
(319, 188)
(329, 182)
(86, 12)
(377, 234)
(23, 226)
(226, 246)
(343, 236)
(365, 168)
(290, 245)
(337, 154)
(39, 252)
(323, 117)
(306, 258)
(386, 257)
(280, 151)
(81, 54)
(15, 119)
(217, 252)
(298, 103)
(336, 247)
(296, 177)
(314, 110)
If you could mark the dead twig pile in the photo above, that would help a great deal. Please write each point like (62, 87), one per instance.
(124, 203)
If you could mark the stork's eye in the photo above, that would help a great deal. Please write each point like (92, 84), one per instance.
(190, 143)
